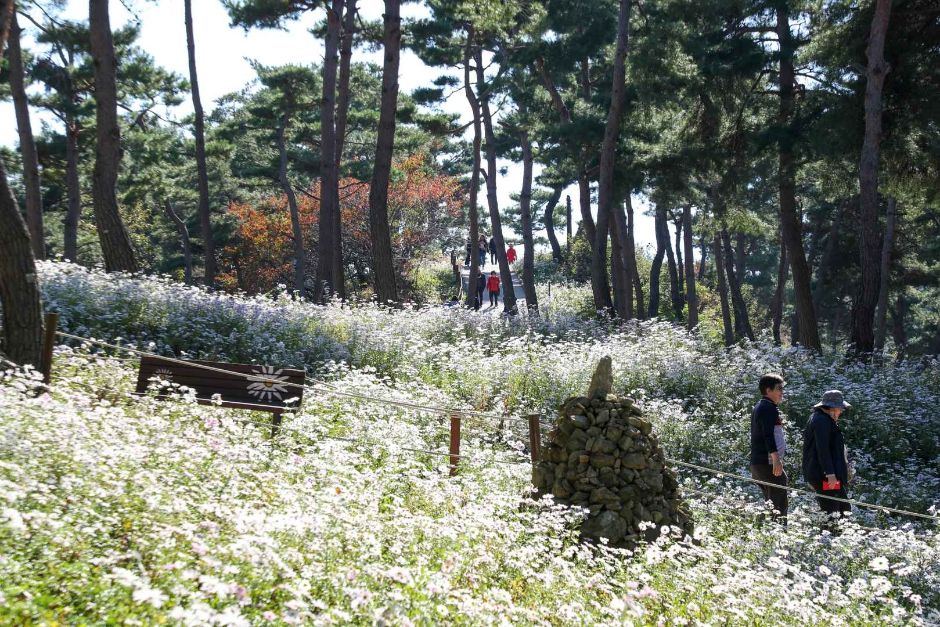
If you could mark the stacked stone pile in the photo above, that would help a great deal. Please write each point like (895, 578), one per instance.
(602, 455)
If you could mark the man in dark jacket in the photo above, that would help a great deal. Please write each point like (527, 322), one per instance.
(767, 444)
(824, 464)
(481, 285)
(493, 250)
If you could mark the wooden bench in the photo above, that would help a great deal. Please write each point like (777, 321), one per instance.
(243, 386)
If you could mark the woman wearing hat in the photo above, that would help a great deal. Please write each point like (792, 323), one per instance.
(824, 464)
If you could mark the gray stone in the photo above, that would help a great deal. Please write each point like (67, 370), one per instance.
(603, 380)
(581, 421)
(602, 417)
(600, 460)
(635, 461)
(606, 525)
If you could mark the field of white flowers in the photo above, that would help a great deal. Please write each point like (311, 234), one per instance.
(116, 508)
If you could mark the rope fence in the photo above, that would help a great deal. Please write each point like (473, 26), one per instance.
(454, 454)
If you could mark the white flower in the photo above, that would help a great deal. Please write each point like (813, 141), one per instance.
(146, 594)
(879, 564)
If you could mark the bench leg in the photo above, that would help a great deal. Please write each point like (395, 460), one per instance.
(275, 423)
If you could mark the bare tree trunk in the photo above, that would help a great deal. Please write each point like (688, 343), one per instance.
(776, 307)
(703, 246)
(505, 274)
(690, 295)
(742, 323)
(740, 254)
(630, 259)
(27, 142)
(584, 205)
(828, 256)
(383, 264)
(621, 230)
(329, 268)
(605, 187)
(474, 175)
(680, 266)
(881, 312)
(618, 275)
(898, 331)
(74, 212)
(525, 210)
(19, 284)
(202, 170)
(345, 60)
(300, 270)
(549, 220)
(792, 230)
(568, 223)
(723, 292)
(662, 238)
(675, 291)
(184, 240)
(115, 243)
(863, 314)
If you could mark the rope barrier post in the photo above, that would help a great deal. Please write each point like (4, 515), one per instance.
(535, 438)
(454, 443)
(275, 423)
(48, 343)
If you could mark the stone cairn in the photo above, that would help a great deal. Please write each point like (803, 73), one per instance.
(603, 456)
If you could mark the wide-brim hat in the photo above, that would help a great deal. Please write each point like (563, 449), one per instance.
(832, 399)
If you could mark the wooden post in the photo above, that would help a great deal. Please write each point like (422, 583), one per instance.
(275, 423)
(535, 438)
(48, 343)
(454, 443)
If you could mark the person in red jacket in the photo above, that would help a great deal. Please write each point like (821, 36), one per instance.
(492, 284)
(511, 254)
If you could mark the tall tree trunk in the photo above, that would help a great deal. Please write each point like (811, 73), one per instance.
(776, 306)
(824, 269)
(662, 239)
(184, 240)
(568, 223)
(675, 290)
(630, 260)
(620, 229)
(742, 323)
(881, 312)
(300, 270)
(863, 338)
(345, 61)
(703, 246)
(525, 211)
(618, 275)
(605, 187)
(680, 266)
(690, 296)
(740, 255)
(898, 332)
(330, 280)
(584, 205)
(19, 283)
(73, 189)
(115, 243)
(202, 170)
(383, 265)
(474, 173)
(549, 220)
(27, 142)
(505, 274)
(723, 292)
(790, 220)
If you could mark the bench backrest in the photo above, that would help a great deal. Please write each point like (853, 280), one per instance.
(249, 386)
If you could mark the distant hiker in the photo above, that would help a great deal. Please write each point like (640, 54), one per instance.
(466, 261)
(481, 285)
(511, 254)
(825, 466)
(492, 285)
(482, 250)
(493, 250)
(767, 443)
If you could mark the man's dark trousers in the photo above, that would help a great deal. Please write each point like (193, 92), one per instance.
(778, 497)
